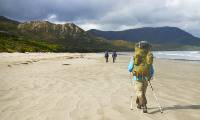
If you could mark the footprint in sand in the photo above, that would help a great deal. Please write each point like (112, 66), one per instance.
(35, 60)
(9, 66)
(25, 63)
(65, 64)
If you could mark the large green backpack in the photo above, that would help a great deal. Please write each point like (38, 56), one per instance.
(143, 59)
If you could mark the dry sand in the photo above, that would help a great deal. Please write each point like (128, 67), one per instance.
(50, 86)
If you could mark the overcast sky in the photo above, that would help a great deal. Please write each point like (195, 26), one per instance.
(108, 14)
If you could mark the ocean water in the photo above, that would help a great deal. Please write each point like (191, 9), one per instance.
(178, 55)
(172, 55)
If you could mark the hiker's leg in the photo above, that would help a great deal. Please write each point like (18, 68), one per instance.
(145, 85)
(137, 100)
(106, 59)
(138, 103)
(138, 90)
(144, 100)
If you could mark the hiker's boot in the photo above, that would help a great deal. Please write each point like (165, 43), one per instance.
(139, 106)
(138, 103)
(144, 109)
(143, 102)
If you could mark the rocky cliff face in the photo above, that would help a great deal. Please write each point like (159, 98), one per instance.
(48, 31)
(45, 26)
(37, 36)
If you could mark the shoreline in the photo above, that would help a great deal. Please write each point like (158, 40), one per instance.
(27, 57)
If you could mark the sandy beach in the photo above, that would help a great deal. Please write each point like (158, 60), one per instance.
(74, 86)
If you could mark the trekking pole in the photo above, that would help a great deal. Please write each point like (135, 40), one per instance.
(161, 110)
(131, 81)
(131, 92)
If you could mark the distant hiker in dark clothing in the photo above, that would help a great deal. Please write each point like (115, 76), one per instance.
(114, 56)
(106, 56)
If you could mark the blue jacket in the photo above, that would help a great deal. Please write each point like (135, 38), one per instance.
(131, 67)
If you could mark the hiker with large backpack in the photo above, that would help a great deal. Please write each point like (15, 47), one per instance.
(141, 69)
(106, 56)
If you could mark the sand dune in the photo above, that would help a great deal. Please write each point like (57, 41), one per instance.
(64, 86)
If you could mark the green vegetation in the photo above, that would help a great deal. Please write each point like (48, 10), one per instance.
(43, 36)
(190, 47)
(12, 43)
(124, 45)
(8, 25)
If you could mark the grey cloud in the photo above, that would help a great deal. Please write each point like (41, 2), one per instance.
(64, 9)
(109, 14)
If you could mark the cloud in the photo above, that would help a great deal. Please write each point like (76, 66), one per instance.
(108, 14)
(54, 19)
(88, 26)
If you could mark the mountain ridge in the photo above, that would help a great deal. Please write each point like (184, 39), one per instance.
(34, 36)
(156, 35)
